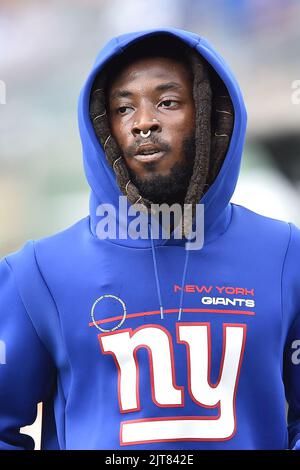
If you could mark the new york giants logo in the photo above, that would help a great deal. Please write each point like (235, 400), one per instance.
(196, 337)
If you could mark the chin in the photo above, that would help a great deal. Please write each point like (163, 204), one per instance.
(155, 172)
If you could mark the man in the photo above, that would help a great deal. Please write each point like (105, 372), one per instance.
(140, 343)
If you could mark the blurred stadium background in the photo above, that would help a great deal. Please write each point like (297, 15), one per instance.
(46, 51)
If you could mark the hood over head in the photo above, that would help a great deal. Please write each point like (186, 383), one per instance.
(219, 134)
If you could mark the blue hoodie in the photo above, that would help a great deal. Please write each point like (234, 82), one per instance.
(135, 344)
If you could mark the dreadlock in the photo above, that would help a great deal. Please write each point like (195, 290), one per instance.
(214, 116)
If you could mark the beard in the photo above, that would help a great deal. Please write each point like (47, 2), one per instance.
(171, 188)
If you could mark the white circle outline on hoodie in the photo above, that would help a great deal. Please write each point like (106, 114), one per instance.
(104, 330)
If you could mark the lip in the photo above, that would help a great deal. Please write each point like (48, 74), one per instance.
(147, 146)
(149, 158)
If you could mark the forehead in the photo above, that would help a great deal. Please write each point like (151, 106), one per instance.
(154, 69)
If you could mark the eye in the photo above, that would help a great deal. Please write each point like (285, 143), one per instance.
(123, 109)
(169, 103)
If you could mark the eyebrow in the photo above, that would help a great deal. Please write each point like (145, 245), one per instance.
(168, 86)
(162, 87)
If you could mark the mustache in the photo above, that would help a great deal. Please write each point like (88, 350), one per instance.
(131, 150)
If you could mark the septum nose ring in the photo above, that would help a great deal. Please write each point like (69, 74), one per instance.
(142, 134)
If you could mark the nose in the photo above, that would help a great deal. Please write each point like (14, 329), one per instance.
(144, 124)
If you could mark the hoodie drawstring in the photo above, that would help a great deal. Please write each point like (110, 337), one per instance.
(183, 282)
(157, 278)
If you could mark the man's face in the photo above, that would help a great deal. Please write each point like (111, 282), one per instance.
(155, 94)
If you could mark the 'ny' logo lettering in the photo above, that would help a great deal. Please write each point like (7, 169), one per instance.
(123, 344)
